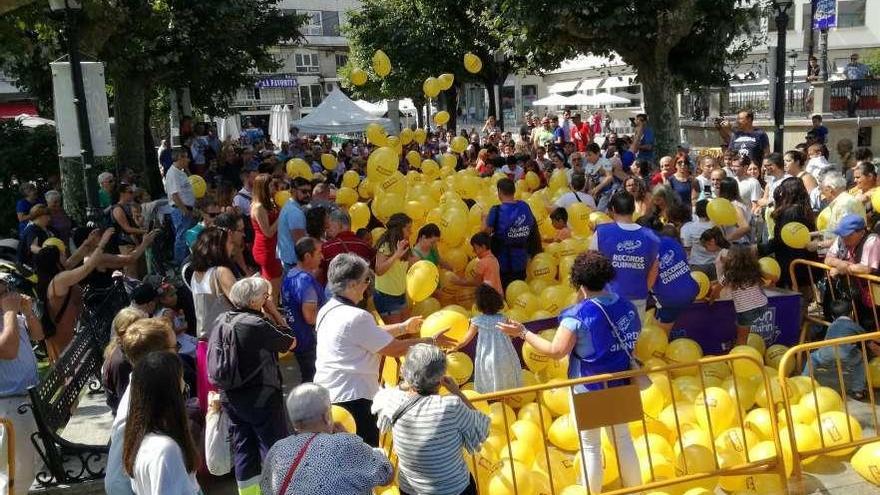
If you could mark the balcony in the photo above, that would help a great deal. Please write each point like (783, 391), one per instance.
(854, 98)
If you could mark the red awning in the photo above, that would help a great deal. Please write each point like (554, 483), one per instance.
(12, 109)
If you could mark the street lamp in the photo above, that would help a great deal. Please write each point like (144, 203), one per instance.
(71, 10)
(500, 58)
(780, 7)
(792, 65)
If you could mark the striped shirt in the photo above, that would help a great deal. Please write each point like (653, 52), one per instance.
(428, 439)
(748, 298)
(16, 375)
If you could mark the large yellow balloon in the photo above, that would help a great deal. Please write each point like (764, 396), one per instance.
(419, 135)
(866, 461)
(414, 159)
(452, 228)
(651, 342)
(579, 218)
(721, 211)
(376, 134)
(459, 366)
(714, 406)
(426, 307)
(346, 196)
(795, 235)
(358, 77)
(563, 433)
(745, 368)
(533, 359)
(328, 160)
(446, 81)
(837, 428)
(683, 350)
(360, 215)
(512, 478)
(381, 63)
(199, 186)
(298, 167)
(542, 266)
(395, 183)
(451, 323)
(342, 416)
(431, 87)
(770, 268)
(382, 164)
(421, 280)
(281, 198)
(459, 144)
(351, 179)
(822, 400)
(430, 169)
(556, 399)
(406, 136)
(472, 63)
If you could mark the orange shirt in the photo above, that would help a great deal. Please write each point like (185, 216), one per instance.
(489, 271)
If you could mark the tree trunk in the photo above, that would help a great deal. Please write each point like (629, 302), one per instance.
(152, 177)
(450, 97)
(72, 189)
(420, 115)
(129, 104)
(661, 107)
(492, 109)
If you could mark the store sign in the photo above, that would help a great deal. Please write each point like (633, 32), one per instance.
(277, 81)
(826, 14)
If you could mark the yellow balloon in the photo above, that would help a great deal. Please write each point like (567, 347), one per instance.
(406, 136)
(472, 63)
(431, 87)
(874, 371)
(58, 243)
(501, 417)
(822, 400)
(683, 350)
(514, 289)
(451, 323)
(382, 164)
(342, 416)
(426, 307)
(795, 235)
(824, 217)
(281, 197)
(579, 218)
(430, 169)
(199, 186)
(452, 229)
(556, 399)
(328, 160)
(381, 63)
(536, 413)
(360, 215)
(714, 406)
(376, 134)
(533, 359)
(721, 211)
(527, 303)
(298, 167)
(542, 265)
(459, 366)
(553, 299)
(414, 159)
(702, 282)
(512, 478)
(421, 280)
(651, 342)
(770, 268)
(866, 461)
(773, 357)
(459, 144)
(365, 188)
(346, 196)
(446, 80)
(533, 182)
(598, 218)
(351, 179)
(563, 433)
(837, 428)
(759, 420)
(745, 368)
(449, 161)
(358, 77)
(396, 183)
(419, 135)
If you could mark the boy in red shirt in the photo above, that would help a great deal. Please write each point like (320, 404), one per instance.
(487, 270)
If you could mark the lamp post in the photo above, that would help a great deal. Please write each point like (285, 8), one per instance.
(71, 9)
(500, 58)
(792, 65)
(781, 8)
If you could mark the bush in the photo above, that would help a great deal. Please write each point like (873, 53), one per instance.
(26, 155)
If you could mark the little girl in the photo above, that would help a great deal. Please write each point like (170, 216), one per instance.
(739, 270)
(496, 364)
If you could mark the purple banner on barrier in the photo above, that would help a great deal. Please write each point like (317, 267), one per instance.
(713, 326)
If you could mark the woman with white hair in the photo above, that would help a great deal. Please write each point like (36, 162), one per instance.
(350, 343)
(430, 430)
(840, 202)
(320, 458)
(255, 404)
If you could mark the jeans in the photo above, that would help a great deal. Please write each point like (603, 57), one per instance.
(181, 223)
(254, 430)
(852, 368)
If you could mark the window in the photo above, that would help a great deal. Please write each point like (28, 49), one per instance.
(253, 93)
(310, 96)
(850, 13)
(306, 62)
(529, 94)
(313, 25)
(330, 22)
(341, 60)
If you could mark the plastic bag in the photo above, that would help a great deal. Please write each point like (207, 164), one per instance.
(218, 451)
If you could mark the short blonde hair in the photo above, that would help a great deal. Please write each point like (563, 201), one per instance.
(145, 336)
(124, 319)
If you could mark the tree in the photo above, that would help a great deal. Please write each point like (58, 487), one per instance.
(672, 44)
(26, 155)
(425, 38)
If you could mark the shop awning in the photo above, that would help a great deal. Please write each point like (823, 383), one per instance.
(563, 86)
(12, 109)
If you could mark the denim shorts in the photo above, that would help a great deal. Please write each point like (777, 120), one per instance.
(387, 304)
(748, 318)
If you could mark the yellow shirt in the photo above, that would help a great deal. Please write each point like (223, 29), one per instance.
(393, 281)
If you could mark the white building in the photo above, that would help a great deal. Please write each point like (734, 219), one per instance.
(309, 69)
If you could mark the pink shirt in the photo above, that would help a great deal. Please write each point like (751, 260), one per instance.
(490, 271)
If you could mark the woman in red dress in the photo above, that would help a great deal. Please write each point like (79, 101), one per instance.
(264, 218)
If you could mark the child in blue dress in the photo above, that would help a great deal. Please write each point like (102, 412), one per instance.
(496, 364)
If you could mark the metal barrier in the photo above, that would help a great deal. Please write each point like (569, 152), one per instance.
(834, 368)
(7, 425)
(686, 431)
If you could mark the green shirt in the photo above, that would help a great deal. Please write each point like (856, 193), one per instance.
(433, 256)
(104, 199)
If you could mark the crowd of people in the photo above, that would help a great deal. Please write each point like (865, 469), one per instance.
(251, 278)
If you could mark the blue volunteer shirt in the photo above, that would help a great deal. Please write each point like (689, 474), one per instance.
(298, 288)
(632, 251)
(674, 285)
(512, 224)
(598, 350)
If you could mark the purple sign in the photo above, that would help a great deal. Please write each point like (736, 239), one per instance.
(277, 81)
(826, 14)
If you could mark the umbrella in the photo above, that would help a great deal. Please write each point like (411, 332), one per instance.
(608, 99)
(283, 132)
(273, 120)
(553, 100)
(228, 127)
(580, 100)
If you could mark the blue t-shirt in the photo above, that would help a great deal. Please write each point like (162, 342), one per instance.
(682, 188)
(24, 206)
(300, 287)
(512, 224)
(291, 218)
(192, 234)
(647, 139)
(674, 285)
(627, 158)
(16, 375)
(632, 253)
(597, 349)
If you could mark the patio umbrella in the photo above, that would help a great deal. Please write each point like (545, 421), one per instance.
(553, 100)
(273, 120)
(580, 100)
(283, 131)
(608, 99)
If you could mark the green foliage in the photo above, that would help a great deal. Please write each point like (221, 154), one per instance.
(872, 60)
(26, 155)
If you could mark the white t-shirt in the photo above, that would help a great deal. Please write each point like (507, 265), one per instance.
(116, 481)
(750, 190)
(347, 359)
(176, 181)
(159, 468)
(690, 238)
(772, 184)
(572, 197)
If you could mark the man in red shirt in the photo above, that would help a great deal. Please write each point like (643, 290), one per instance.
(666, 169)
(580, 133)
(342, 240)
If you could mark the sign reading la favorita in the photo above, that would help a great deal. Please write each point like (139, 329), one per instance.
(277, 81)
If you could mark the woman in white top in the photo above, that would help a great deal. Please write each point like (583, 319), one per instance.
(430, 430)
(159, 453)
(350, 343)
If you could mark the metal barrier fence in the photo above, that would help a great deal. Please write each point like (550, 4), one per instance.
(689, 428)
(6, 424)
(826, 422)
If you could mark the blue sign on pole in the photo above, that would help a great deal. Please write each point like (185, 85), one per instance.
(826, 14)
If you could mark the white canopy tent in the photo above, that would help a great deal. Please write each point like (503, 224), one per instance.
(553, 100)
(377, 109)
(337, 114)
